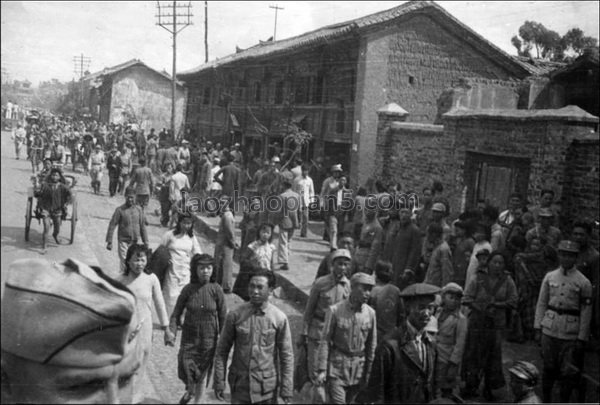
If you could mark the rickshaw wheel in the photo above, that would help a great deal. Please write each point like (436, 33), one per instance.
(28, 215)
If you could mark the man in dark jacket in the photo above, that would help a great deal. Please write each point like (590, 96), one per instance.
(231, 182)
(403, 369)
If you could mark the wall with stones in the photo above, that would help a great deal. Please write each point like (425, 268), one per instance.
(417, 154)
(581, 192)
(145, 95)
(411, 63)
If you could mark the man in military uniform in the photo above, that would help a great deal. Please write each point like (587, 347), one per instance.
(262, 364)
(326, 291)
(347, 347)
(562, 316)
(404, 365)
(69, 335)
(523, 379)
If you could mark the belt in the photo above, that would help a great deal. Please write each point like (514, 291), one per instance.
(560, 311)
(349, 353)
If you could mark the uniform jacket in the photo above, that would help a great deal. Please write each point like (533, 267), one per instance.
(440, 270)
(263, 356)
(347, 348)
(403, 249)
(571, 292)
(130, 221)
(398, 375)
(451, 337)
(370, 244)
(232, 179)
(324, 293)
(142, 180)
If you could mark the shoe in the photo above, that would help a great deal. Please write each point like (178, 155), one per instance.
(185, 398)
(284, 267)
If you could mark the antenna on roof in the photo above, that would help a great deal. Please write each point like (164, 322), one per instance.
(277, 8)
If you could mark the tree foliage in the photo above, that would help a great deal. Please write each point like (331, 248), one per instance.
(548, 44)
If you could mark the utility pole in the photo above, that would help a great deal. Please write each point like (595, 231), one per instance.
(205, 31)
(168, 19)
(81, 64)
(277, 8)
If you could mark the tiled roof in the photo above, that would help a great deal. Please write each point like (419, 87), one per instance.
(568, 113)
(117, 68)
(539, 67)
(327, 34)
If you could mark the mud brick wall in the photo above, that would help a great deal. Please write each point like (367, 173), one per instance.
(580, 199)
(417, 154)
(411, 63)
(146, 95)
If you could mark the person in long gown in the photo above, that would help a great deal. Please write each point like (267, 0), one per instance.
(182, 246)
(146, 288)
(203, 301)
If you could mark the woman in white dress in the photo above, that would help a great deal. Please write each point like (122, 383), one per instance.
(182, 246)
(146, 289)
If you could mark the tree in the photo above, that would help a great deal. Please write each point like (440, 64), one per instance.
(576, 41)
(549, 44)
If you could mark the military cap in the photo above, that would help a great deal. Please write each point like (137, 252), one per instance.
(438, 206)
(568, 246)
(545, 212)
(98, 146)
(275, 159)
(362, 278)
(419, 290)
(129, 191)
(336, 168)
(341, 253)
(452, 288)
(67, 314)
(525, 371)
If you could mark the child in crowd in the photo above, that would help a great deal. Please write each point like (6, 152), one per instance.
(451, 337)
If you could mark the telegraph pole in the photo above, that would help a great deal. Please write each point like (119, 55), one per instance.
(277, 8)
(205, 31)
(168, 19)
(81, 64)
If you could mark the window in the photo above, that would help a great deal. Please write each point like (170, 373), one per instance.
(206, 97)
(317, 95)
(279, 93)
(302, 90)
(257, 91)
(411, 80)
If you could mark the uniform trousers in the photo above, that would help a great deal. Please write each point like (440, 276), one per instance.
(340, 393)
(283, 251)
(563, 361)
(122, 251)
(312, 357)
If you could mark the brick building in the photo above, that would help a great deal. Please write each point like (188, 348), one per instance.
(134, 92)
(332, 81)
(487, 154)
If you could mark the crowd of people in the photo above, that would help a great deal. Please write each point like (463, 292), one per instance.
(411, 304)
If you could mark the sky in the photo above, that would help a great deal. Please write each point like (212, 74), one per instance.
(40, 39)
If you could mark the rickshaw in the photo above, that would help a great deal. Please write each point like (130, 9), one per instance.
(71, 206)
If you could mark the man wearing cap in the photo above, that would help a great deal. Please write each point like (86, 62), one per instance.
(523, 379)
(303, 185)
(326, 291)
(262, 364)
(57, 152)
(95, 166)
(285, 215)
(53, 197)
(130, 220)
(231, 181)
(404, 365)
(450, 339)
(143, 183)
(115, 167)
(438, 215)
(544, 229)
(152, 151)
(347, 346)
(237, 155)
(562, 317)
(69, 335)
(329, 202)
(403, 249)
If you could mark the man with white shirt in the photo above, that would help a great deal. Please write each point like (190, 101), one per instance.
(329, 202)
(178, 181)
(304, 186)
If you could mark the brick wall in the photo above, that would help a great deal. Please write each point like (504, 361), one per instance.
(417, 154)
(410, 63)
(582, 184)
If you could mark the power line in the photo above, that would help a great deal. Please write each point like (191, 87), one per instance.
(174, 18)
